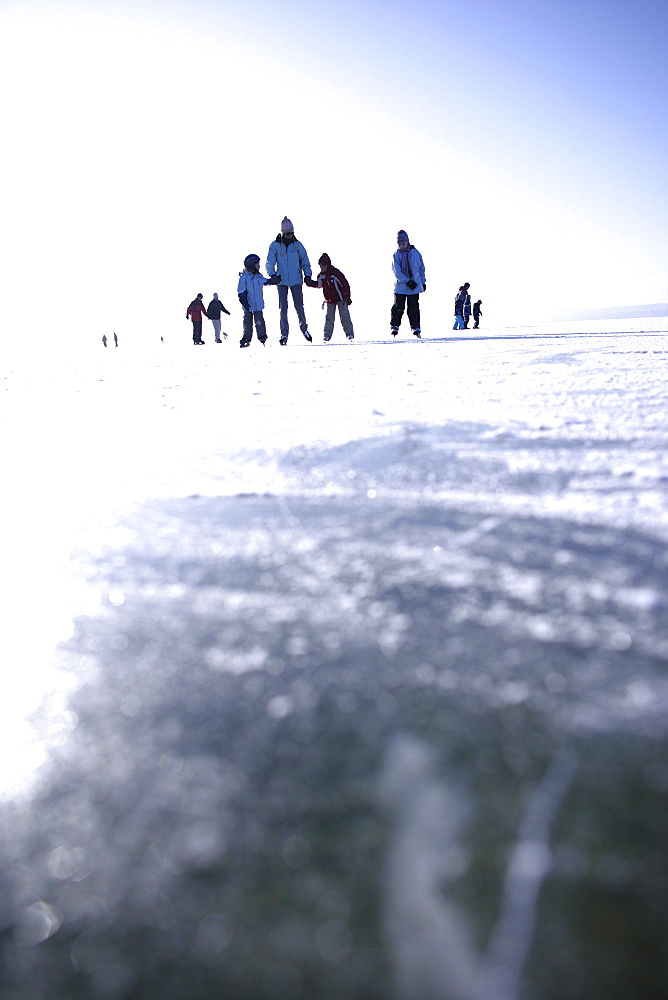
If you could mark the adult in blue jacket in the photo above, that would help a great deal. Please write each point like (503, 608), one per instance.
(408, 269)
(288, 258)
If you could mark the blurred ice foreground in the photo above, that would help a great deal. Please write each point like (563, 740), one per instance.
(366, 695)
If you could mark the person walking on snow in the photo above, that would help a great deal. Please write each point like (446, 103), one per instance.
(467, 311)
(336, 290)
(195, 312)
(460, 299)
(477, 313)
(214, 309)
(287, 257)
(408, 269)
(249, 289)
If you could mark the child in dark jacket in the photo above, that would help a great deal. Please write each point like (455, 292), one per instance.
(477, 313)
(336, 290)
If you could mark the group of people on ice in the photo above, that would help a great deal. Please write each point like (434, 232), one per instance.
(288, 267)
(463, 309)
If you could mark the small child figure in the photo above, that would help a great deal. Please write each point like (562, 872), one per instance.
(336, 290)
(249, 289)
(477, 313)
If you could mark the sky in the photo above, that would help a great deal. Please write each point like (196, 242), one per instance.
(149, 147)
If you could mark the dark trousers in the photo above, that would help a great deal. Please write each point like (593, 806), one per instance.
(260, 327)
(409, 302)
(197, 331)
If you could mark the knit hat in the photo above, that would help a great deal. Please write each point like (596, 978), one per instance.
(402, 236)
(286, 225)
(325, 259)
(199, 295)
(251, 260)
(215, 295)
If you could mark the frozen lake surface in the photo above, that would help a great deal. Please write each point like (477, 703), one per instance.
(338, 671)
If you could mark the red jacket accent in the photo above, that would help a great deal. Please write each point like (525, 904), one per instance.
(334, 286)
(195, 310)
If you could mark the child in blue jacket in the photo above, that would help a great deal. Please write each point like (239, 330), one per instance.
(249, 290)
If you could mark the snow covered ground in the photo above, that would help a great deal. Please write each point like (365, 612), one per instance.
(330, 619)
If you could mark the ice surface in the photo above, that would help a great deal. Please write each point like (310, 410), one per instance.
(236, 581)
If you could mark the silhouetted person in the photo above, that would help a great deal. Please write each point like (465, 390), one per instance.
(104, 339)
(115, 341)
(477, 313)
(195, 312)
(460, 299)
(214, 309)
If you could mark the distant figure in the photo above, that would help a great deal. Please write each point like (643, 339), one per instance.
(214, 309)
(408, 268)
(286, 256)
(115, 340)
(460, 299)
(195, 312)
(467, 311)
(477, 313)
(104, 339)
(336, 290)
(249, 289)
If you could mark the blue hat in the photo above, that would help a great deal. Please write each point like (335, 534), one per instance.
(402, 236)
(251, 259)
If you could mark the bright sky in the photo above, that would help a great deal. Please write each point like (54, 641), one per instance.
(149, 146)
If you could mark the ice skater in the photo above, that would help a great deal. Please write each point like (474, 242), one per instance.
(460, 299)
(336, 291)
(287, 257)
(213, 311)
(477, 313)
(195, 312)
(408, 269)
(249, 290)
(104, 339)
(467, 310)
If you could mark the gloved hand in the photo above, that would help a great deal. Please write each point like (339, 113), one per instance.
(424, 286)
(308, 280)
(274, 280)
(412, 284)
(227, 313)
(349, 302)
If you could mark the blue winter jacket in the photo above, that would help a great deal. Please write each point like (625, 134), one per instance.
(288, 261)
(406, 269)
(249, 290)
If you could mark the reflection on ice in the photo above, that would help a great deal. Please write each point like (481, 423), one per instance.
(337, 643)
